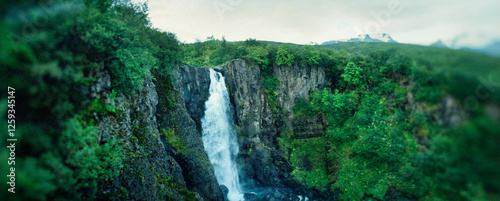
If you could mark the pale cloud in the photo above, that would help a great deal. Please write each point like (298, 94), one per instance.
(302, 21)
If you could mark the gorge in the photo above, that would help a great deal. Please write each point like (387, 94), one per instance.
(255, 129)
(108, 107)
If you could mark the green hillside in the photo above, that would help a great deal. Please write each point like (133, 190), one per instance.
(442, 58)
(380, 144)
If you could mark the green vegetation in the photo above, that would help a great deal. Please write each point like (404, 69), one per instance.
(266, 55)
(352, 75)
(309, 163)
(61, 154)
(284, 56)
(377, 144)
(386, 135)
(457, 72)
(173, 140)
(93, 164)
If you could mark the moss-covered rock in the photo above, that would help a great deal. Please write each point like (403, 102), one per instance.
(146, 161)
(176, 113)
(257, 122)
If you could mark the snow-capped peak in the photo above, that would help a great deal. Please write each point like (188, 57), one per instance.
(381, 37)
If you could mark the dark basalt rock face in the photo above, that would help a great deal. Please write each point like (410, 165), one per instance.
(153, 169)
(260, 159)
(194, 84)
(181, 108)
(225, 191)
(147, 163)
(255, 123)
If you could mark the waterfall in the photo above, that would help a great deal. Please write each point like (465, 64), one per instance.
(219, 136)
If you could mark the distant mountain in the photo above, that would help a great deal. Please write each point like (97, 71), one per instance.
(377, 38)
(492, 49)
(439, 43)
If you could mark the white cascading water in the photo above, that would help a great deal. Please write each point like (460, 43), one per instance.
(219, 136)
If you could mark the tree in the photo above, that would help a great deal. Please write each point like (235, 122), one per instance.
(312, 54)
(259, 54)
(251, 42)
(101, 5)
(284, 55)
(352, 74)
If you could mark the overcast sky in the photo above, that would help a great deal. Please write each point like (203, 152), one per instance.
(460, 22)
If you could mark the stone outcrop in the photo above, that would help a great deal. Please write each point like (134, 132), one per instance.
(304, 128)
(178, 106)
(260, 159)
(147, 166)
(447, 112)
(193, 84)
(153, 170)
(297, 82)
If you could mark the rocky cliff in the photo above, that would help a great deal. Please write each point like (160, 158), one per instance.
(261, 161)
(162, 133)
(176, 110)
(147, 166)
(156, 167)
(193, 85)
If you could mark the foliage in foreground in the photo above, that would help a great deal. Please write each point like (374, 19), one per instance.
(60, 155)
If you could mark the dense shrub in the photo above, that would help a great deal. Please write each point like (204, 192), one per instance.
(284, 56)
(352, 74)
(94, 163)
